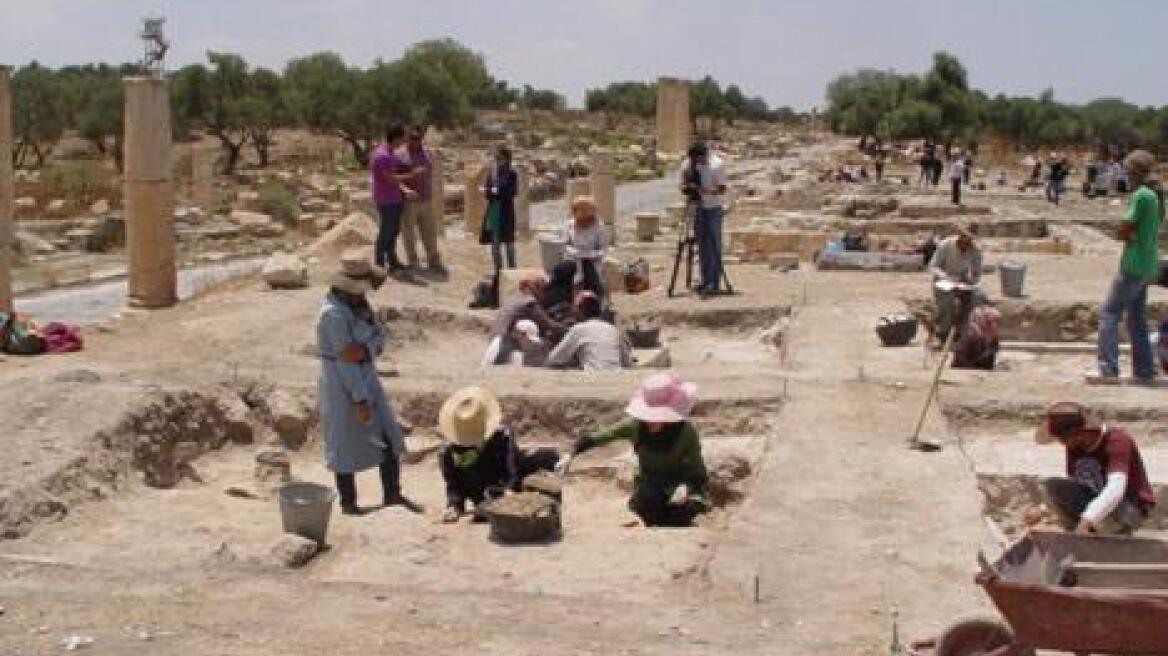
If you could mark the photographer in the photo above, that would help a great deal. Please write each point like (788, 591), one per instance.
(703, 181)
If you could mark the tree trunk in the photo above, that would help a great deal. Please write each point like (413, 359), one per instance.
(232, 150)
(360, 147)
(261, 142)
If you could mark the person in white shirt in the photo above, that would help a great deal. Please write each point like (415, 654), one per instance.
(703, 181)
(957, 175)
(586, 242)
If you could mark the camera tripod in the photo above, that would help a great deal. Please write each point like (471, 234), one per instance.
(685, 248)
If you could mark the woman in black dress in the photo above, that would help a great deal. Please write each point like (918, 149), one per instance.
(500, 188)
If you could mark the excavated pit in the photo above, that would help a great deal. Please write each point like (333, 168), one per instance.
(160, 442)
(1026, 320)
(998, 438)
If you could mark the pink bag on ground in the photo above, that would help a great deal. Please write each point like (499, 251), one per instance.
(61, 338)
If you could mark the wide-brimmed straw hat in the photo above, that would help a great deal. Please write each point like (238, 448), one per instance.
(663, 398)
(1139, 163)
(1059, 420)
(469, 415)
(583, 201)
(358, 276)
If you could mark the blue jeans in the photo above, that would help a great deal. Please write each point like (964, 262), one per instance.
(389, 228)
(708, 233)
(1053, 190)
(1128, 295)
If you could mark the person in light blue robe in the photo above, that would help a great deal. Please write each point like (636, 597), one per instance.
(358, 423)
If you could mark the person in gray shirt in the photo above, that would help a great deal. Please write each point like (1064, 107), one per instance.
(593, 344)
(956, 270)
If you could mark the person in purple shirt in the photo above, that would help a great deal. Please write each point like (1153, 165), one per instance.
(389, 177)
(419, 218)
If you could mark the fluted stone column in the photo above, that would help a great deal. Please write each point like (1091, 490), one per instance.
(523, 231)
(437, 194)
(7, 193)
(604, 190)
(673, 124)
(474, 204)
(149, 194)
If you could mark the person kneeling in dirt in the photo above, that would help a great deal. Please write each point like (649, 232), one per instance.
(979, 345)
(481, 459)
(1107, 488)
(670, 486)
(523, 304)
(593, 344)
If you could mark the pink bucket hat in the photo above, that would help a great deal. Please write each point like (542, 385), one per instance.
(663, 398)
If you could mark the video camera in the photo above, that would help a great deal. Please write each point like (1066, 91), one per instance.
(691, 185)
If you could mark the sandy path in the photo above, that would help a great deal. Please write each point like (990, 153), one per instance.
(846, 525)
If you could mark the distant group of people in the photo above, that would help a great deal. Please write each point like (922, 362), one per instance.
(933, 161)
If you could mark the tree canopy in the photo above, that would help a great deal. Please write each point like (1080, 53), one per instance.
(941, 105)
(707, 100)
(438, 82)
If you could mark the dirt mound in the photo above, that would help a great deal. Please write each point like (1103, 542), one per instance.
(172, 430)
(160, 437)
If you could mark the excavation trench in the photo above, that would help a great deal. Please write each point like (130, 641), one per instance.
(1045, 321)
(998, 439)
(161, 442)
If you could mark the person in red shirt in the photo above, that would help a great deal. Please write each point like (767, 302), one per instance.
(1106, 489)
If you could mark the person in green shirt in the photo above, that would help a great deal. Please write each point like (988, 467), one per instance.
(671, 485)
(1139, 265)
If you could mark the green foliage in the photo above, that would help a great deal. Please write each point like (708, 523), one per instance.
(636, 98)
(279, 200)
(707, 99)
(437, 82)
(942, 106)
(532, 98)
(82, 182)
(465, 69)
(39, 115)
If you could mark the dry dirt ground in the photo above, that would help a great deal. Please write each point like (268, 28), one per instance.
(843, 532)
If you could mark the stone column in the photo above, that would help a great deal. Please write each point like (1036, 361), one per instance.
(673, 124)
(149, 194)
(523, 231)
(437, 194)
(7, 193)
(604, 190)
(474, 204)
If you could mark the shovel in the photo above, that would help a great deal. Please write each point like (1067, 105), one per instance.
(915, 442)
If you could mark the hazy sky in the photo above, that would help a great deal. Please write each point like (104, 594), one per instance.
(784, 50)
